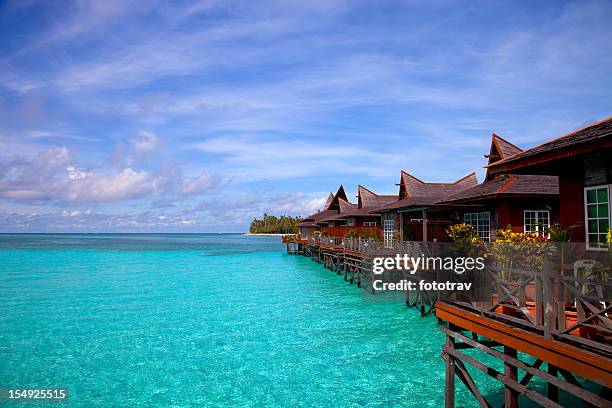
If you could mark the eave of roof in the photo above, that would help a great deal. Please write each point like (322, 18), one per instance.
(307, 224)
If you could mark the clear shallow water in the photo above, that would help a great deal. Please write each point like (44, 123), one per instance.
(204, 320)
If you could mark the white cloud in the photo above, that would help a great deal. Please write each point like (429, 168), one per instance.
(53, 176)
(105, 187)
(299, 203)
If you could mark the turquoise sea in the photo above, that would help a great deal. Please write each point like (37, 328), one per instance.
(186, 320)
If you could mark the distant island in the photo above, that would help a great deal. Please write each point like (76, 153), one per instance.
(271, 224)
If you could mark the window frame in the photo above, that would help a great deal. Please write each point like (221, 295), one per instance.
(389, 233)
(369, 223)
(585, 207)
(488, 238)
(537, 230)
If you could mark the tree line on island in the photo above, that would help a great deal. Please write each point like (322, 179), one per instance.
(270, 224)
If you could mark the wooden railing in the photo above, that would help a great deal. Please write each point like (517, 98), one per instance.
(569, 301)
(358, 231)
(378, 247)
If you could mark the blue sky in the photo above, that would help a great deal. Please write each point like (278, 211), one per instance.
(199, 116)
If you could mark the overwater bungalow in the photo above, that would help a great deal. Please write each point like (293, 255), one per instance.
(341, 206)
(416, 216)
(361, 219)
(525, 202)
(313, 222)
(582, 160)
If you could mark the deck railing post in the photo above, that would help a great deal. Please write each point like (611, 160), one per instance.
(548, 299)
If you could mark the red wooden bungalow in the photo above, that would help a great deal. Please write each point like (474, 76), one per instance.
(425, 210)
(527, 203)
(359, 217)
(416, 216)
(583, 162)
(311, 223)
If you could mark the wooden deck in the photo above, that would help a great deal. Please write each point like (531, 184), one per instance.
(593, 366)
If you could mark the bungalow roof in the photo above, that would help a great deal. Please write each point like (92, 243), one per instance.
(507, 185)
(415, 192)
(368, 199)
(572, 144)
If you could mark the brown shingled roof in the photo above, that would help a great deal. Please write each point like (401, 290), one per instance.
(368, 199)
(415, 192)
(581, 141)
(330, 198)
(508, 185)
(317, 217)
(411, 186)
(334, 203)
(307, 224)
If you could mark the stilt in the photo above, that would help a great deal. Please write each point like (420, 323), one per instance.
(449, 393)
(552, 389)
(510, 374)
(422, 302)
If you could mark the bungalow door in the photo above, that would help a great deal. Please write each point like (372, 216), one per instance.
(389, 232)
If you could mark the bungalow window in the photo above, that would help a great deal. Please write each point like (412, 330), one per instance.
(597, 215)
(389, 232)
(350, 222)
(369, 223)
(536, 221)
(481, 222)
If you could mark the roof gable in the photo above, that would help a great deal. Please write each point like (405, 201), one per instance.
(345, 206)
(499, 150)
(411, 186)
(340, 195)
(368, 199)
(330, 198)
(364, 196)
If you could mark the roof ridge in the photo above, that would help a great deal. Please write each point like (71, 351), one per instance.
(366, 189)
(411, 176)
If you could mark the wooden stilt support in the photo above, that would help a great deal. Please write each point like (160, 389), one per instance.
(510, 374)
(552, 389)
(449, 395)
(422, 302)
